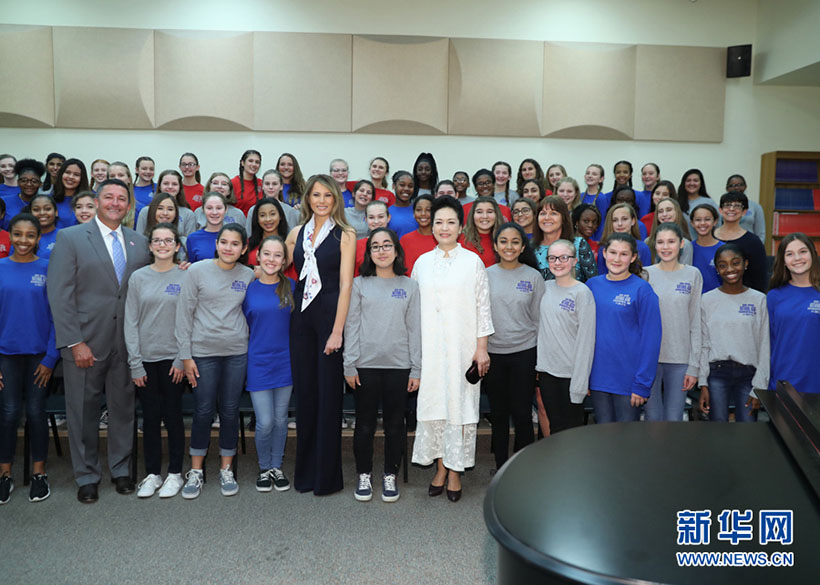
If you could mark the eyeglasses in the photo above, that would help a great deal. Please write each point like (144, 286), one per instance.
(524, 211)
(166, 241)
(187, 165)
(384, 247)
(486, 183)
(563, 258)
(734, 205)
(29, 181)
(338, 170)
(735, 185)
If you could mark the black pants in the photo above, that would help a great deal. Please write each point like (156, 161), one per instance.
(389, 386)
(509, 384)
(161, 401)
(318, 382)
(562, 413)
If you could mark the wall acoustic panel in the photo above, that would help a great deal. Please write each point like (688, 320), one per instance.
(301, 82)
(400, 85)
(496, 87)
(26, 67)
(204, 80)
(104, 77)
(680, 93)
(589, 91)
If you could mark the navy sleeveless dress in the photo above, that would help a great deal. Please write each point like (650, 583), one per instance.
(318, 379)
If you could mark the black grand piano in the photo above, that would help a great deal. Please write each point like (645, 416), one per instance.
(600, 504)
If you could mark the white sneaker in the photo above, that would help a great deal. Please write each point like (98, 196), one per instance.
(228, 482)
(292, 423)
(364, 491)
(390, 491)
(171, 486)
(193, 487)
(149, 485)
(215, 423)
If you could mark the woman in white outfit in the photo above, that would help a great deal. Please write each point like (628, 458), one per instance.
(455, 324)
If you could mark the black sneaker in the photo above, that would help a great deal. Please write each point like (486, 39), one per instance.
(264, 483)
(6, 487)
(39, 488)
(280, 482)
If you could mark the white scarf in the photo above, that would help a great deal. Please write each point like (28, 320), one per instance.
(310, 269)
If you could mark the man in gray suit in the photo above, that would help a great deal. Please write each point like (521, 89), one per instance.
(87, 283)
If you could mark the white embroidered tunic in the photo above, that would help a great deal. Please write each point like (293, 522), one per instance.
(455, 311)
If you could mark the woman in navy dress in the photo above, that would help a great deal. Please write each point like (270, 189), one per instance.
(323, 251)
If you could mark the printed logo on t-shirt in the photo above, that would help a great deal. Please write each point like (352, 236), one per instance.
(173, 289)
(567, 305)
(525, 286)
(399, 293)
(3, 248)
(238, 286)
(38, 279)
(50, 247)
(814, 307)
(747, 309)
(623, 299)
(684, 288)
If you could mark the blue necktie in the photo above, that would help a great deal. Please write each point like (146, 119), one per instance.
(119, 257)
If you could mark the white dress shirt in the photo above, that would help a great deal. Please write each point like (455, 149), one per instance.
(106, 235)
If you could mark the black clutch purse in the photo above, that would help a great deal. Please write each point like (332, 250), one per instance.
(472, 373)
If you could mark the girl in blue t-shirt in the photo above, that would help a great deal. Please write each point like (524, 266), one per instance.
(794, 313)
(202, 243)
(704, 217)
(623, 219)
(45, 210)
(144, 186)
(627, 333)
(402, 220)
(27, 354)
(267, 306)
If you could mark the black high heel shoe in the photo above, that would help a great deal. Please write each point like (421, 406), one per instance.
(453, 495)
(435, 490)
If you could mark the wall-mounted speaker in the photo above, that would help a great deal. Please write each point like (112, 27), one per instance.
(739, 61)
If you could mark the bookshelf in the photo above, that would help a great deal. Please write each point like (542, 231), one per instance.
(790, 195)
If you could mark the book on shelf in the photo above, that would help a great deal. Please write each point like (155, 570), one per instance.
(785, 222)
(796, 198)
(796, 171)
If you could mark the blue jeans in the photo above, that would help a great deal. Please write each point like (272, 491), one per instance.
(271, 410)
(18, 381)
(668, 403)
(613, 408)
(730, 382)
(221, 379)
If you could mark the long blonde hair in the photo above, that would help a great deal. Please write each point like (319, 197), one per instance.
(338, 213)
(679, 221)
(576, 201)
(635, 232)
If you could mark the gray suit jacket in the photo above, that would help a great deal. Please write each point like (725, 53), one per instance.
(87, 303)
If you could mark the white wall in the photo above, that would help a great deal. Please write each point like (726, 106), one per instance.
(758, 119)
(787, 37)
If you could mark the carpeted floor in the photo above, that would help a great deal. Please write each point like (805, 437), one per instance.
(252, 537)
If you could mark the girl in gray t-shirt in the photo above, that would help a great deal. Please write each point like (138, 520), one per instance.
(566, 340)
(516, 287)
(382, 356)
